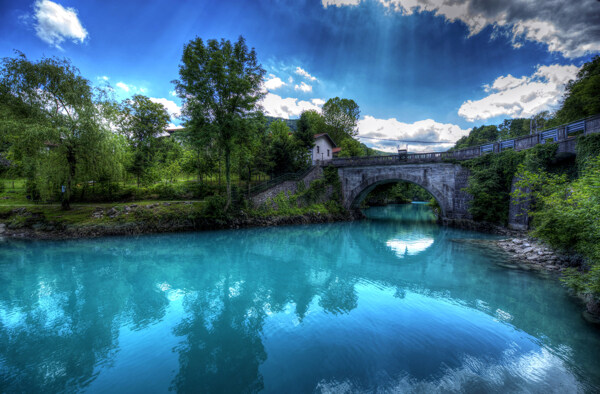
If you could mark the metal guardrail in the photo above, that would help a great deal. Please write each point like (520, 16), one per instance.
(547, 135)
(574, 127)
(486, 148)
(507, 144)
(560, 133)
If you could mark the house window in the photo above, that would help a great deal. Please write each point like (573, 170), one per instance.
(317, 148)
(327, 152)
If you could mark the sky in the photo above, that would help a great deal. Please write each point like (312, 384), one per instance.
(420, 70)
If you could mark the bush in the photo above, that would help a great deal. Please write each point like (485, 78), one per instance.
(567, 216)
(215, 207)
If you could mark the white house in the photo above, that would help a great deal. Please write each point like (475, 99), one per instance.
(323, 149)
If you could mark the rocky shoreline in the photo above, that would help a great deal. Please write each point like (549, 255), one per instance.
(531, 254)
(537, 255)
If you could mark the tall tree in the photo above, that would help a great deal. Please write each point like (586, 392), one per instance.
(341, 115)
(285, 154)
(144, 120)
(310, 123)
(220, 84)
(55, 119)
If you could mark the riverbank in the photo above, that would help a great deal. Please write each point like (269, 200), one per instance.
(88, 221)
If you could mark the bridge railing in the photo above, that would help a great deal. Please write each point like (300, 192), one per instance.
(561, 133)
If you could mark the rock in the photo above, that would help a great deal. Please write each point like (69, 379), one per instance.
(166, 204)
(517, 241)
(590, 318)
(2, 228)
(112, 213)
(525, 244)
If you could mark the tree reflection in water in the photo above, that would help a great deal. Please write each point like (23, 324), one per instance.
(230, 302)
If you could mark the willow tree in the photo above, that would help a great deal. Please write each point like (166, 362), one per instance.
(220, 84)
(55, 123)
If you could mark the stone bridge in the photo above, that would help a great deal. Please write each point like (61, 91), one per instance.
(434, 171)
(443, 180)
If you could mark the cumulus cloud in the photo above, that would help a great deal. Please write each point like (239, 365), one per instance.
(123, 86)
(173, 109)
(521, 97)
(300, 71)
(54, 23)
(286, 108)
(571, 29)
(303, 87)
(318, 102)
(273, 82)
(432, 134)
(339, 3)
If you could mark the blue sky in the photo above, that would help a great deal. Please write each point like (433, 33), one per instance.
(419, 69)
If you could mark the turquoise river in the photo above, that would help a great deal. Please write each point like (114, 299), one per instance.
(394, 303)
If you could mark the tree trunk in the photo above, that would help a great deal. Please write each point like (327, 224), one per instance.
(227, 177)
(66, 197)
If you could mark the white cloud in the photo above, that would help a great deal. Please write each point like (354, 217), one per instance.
(172, 108)
(55, 24)
(128, 88)
(123, 86)
(305, 74)
(291, 80)
(303, 87)
(426, 130)
(521, 97)
(318, 102)
(103, 78)
(569, 29)
(173, 93)
(339, 3)
(273, 82)
(286, 108)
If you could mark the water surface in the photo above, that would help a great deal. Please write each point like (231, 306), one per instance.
(393, 303)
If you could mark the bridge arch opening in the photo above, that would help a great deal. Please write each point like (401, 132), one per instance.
(369, 192)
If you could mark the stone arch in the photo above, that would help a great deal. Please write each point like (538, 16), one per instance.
(358, 193)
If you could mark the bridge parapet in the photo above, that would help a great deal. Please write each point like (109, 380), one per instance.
(560, 134)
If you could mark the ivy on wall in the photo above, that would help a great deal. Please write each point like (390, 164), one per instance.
(492, 175)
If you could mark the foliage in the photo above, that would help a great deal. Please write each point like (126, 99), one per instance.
(492, 175)
(581, 96)
(285, 153)
(512, 128)
(220, 84)
(588, 147)
(310, 123)
(478, 136)
(54, 119)
(352, 148)
(567, 216)
(143, 121)
(341, 117)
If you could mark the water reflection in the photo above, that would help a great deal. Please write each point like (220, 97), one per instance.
(303, 308)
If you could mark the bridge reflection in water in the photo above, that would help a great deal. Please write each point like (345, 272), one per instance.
(303, 308)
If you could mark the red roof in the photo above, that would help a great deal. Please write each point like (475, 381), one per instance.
(336, 150)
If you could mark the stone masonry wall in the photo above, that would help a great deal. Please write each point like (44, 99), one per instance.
(287, 187)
